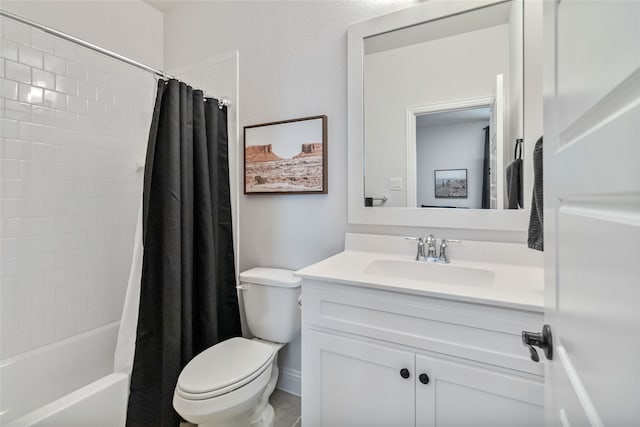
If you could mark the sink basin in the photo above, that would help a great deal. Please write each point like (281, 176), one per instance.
(431, 272)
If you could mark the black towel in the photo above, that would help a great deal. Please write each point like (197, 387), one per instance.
(536, 220)
(514, 185)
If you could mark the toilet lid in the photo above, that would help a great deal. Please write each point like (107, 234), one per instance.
(223, 365)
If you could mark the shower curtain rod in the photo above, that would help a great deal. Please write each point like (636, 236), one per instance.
(224, 101)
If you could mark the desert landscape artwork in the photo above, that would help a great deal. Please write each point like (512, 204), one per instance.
(286, 157)
(451, 184)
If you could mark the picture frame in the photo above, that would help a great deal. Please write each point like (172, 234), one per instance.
(286, 157)
(450, 184)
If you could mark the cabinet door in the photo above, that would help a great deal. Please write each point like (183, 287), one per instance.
(458, 394)
(347, 382)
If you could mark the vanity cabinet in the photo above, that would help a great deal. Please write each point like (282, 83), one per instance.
(378, 358)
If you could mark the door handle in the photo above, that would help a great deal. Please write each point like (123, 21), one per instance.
(543, 340)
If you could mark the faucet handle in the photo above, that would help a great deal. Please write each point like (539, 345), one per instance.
(443, 249)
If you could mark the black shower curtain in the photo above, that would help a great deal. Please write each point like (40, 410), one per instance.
(188, 299)
(486, 171)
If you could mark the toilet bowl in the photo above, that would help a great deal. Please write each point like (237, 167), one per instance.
(229, 384)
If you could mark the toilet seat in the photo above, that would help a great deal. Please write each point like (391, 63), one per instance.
(243, 361)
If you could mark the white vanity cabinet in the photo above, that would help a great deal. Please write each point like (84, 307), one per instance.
(372, 357)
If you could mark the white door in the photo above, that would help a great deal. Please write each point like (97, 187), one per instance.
(451, 394)
(592, 211)
(496, 139)
(350, 383)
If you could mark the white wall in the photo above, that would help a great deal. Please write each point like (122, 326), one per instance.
(449, 69)
(454, 146)
(128, 27)
(73, 125)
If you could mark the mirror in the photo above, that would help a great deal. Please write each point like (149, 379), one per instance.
(436, 115)
(443, 109)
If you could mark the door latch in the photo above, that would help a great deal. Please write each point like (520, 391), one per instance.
(542, 340)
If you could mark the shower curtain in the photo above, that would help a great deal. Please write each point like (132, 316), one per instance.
(187, 294)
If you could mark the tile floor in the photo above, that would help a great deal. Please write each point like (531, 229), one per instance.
(287, 407)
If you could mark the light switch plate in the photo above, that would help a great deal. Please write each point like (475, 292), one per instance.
(395, 184)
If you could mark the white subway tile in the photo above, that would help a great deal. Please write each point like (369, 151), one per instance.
(17, 32)
(8, 89)
(43, 225)
(44, 262)
(96, 76)
(30, 169)
(9, 247)
(30, 94)
(66, 259)
(8, 129)
(43, 115)
(8, 208)
(8, 49)
(87, 91)
(96, 108)
(76, 104)
(9, 168)
(55, 278)
(78, 275)
(44, 335)
(66, 120)
(17, 110)
(105, 95)
(77, 71)
(43, 79)
(55, 64)
(30, 207)
(86, 56)
(42, 41)
(64, 49)
(66, 85)
(29, 56)
(18, 72)
(55, 206)
(55, 100)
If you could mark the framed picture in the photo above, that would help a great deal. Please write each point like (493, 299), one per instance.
(287, 157)
(451, 184)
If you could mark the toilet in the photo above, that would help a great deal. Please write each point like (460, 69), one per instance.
(229, 384)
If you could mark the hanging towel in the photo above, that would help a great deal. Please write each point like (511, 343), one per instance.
(536, 220)
(514, 179)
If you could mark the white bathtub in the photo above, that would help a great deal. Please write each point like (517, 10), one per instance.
(68, 383)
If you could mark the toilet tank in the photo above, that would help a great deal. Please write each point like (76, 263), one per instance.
(270, 297)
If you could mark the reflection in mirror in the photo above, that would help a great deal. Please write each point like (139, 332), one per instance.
(446, 95)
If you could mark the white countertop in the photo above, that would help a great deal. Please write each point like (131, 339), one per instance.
(519, 286)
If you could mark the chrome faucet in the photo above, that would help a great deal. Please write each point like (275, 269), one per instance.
(443, 250)
(427, 249)
(429, 242)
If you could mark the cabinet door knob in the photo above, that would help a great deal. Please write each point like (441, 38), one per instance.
(404, 373)
(424, 378)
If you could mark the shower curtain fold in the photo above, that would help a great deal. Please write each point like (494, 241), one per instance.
(188, 299)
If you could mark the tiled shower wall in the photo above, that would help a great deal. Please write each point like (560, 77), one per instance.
(73, 128)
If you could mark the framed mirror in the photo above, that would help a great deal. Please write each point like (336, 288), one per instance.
(433, 88)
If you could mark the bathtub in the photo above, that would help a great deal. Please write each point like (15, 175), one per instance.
(68, 383)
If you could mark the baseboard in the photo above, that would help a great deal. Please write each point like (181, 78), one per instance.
(290, 381)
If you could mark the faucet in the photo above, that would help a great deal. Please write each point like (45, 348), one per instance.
(443, 250)
(430, 242)
(427, 249)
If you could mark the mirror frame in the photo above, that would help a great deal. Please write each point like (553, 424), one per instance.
(484, 219)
